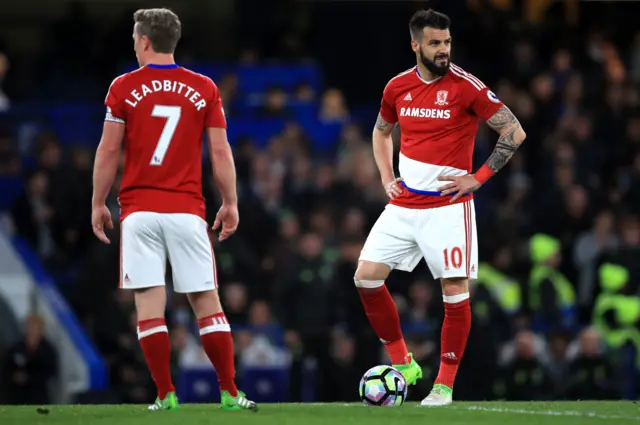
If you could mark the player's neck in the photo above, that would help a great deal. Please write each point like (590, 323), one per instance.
(425, 74)
(161, 59)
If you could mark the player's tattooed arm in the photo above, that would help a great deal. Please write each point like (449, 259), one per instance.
(511, 137)
(383, 155)
(383, 126)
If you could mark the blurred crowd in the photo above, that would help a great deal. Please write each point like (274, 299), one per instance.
(568, 202)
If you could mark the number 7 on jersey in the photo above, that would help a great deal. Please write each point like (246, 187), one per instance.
(172, 114)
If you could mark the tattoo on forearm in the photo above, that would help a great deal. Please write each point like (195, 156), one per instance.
(505, 123)
(382, 125)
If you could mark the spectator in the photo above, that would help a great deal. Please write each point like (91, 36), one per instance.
(589, 249)
(275, 104)
(525, 377)
(33, 215)
(5, 103)
(30, 366)
(591, 374)
(334, 107)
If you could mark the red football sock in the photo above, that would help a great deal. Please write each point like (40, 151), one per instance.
(215, 334)
(385, 321)
(154, 339)
(455, 332)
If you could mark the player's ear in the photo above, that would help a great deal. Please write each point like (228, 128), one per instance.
(146, 42)
(415, 46)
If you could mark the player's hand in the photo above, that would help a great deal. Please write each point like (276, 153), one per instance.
(460, 184)
(393, 188)
(228, 218)
(101, 217)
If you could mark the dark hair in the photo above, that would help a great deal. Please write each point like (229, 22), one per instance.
(427, 18)
(161, 26)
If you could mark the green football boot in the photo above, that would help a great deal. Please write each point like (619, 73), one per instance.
(170, 402)
(411, 371)
(241, 402)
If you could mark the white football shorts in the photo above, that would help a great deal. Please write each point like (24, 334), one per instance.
(445, 236)
(149, 239)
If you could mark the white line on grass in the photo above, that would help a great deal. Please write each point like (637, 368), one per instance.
(545, 412)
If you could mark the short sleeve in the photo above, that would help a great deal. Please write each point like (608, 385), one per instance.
(388, 105)
(215, 112)
(115, 111)
(484, 103)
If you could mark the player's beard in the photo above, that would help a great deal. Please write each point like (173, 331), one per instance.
(433, 67)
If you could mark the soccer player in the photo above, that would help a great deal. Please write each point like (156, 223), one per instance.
(431, 212)
(161, 111)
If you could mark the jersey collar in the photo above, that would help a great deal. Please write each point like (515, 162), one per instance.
(423, 80)
(168, 66)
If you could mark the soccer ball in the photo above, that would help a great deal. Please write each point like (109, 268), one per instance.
(383, 386)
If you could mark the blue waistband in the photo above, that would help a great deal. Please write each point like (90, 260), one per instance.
(427, 192)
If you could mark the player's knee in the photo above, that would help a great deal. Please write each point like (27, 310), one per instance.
(150, 302)
(205, 303)
(371, 275)
(454, 286)
(367, 284)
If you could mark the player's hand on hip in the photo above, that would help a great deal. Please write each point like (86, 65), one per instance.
(460, 185)
(393, 188)
(227, 221)
(101, 218)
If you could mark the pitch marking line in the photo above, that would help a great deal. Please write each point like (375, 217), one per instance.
(545, 412)
(573, 413)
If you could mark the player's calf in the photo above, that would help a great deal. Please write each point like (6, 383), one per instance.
(154, 337)
(215, 334)
(455, 331)
(381, 309)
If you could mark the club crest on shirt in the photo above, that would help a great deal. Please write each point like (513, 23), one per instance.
(441, 97)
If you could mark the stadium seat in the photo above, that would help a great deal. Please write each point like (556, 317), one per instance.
(258, 79)
(10, 188)
(258, 130)
(266, 385)
(198, 386)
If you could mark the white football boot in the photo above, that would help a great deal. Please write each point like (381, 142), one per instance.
(440, 395)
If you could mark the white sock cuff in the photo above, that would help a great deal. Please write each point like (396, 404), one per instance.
(215, 328)
(368, 283)
(148, 332)
(454, 299)
(217, 323)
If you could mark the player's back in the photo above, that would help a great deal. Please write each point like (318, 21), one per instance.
(165, 109)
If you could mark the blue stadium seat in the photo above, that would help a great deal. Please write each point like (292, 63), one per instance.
(77, 122)
(259, 78)
(198, 386)
(266, 385)
(10, 188)
(324, 136)
(274, 332)
(258, 130)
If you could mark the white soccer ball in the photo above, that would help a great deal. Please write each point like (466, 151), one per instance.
(383, 386)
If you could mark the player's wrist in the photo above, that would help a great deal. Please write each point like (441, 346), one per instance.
(483, 174)
(96, 203)
(386, 179)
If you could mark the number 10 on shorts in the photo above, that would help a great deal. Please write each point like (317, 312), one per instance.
(453, 257)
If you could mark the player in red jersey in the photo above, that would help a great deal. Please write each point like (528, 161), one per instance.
(161, 111)
(431, 213)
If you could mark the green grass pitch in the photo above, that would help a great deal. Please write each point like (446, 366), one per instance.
(502, 413)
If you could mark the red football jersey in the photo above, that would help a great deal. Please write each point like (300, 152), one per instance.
(165, 109)
(438, 120)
